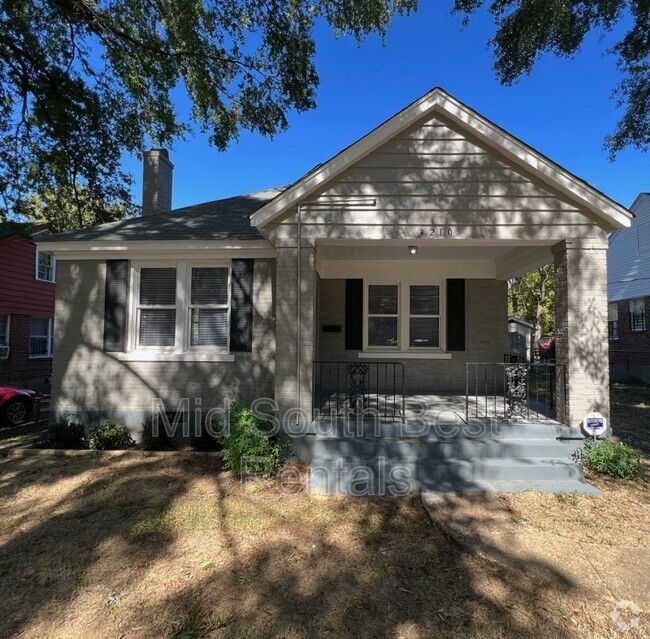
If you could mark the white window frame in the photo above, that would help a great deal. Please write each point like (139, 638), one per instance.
(50, 338)
(612, 324)
(631, 312)
(137, 307)
(403, 317)
(37, 265)
(409, 316)
(5, 344)
(190, 306)
(367, 315)
(183, 310)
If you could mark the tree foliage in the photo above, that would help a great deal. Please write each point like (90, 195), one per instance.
(83, 81)
(532, 298)
(528, 28)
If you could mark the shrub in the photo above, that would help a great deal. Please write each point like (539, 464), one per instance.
(160, 441)
(250, 446)
(205, 441)
(610, 458)
(109, 435)
(66, 434)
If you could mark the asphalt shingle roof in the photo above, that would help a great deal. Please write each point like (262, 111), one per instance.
(219, 220)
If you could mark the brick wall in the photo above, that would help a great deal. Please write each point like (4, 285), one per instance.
(630, 347)
(629, 355)
(92, 384)
(19, 369)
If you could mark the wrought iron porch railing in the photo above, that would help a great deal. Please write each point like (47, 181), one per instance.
(343, 389)
(513, 390)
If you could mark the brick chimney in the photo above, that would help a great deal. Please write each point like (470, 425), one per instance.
(156, 182)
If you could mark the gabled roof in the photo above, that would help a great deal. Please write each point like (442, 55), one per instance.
(226, 219)
(438, 102)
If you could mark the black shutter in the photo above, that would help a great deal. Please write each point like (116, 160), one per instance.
(353, 315)
(455, 315)
(115, 296)
(241, 306)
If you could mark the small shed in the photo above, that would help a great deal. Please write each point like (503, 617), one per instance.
(520, 338)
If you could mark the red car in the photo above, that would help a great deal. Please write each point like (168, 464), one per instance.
(16, 405)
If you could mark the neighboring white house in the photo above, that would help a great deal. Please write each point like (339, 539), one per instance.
(628, 293)
(382, 270)
(520, 338)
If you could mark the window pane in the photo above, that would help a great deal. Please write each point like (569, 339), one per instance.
(425, 300)
(209, 286)
(382, 331)
(382, 299)
(612, 311)
(39, 337)
(4, 320)
(209, 327)
(45, 264)
(158, 286)
(157, 327)
(39, 327)
(424, 332)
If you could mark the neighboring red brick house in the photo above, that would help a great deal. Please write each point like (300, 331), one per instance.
(27, 282)
(628, 274)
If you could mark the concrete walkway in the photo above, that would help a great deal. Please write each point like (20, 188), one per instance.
(482, 525)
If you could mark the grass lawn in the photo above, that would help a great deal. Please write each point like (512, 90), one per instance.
(142, 547)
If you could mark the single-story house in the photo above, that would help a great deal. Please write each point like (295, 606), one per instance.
(628, 288)
(383, 271)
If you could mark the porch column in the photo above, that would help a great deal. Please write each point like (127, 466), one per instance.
(290, 342)
(581, 328)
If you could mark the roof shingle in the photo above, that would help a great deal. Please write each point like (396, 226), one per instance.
(218, 220)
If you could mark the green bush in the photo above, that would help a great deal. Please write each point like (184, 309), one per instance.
(161, 441)
(109, 435)
(248, 448)
(610, 458)
(205, 441)
(66, 434)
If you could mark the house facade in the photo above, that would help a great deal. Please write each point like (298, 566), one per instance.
(628, 294)
(386, 265)
(27, 285)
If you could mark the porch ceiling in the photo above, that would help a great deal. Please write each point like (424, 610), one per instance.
(508, 260)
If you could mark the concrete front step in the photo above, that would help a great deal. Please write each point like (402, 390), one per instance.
(432, 449)
(355, 476)
(340, 429)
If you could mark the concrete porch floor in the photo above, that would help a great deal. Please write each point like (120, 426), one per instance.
(443, 408)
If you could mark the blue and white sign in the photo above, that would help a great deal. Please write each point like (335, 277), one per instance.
(594, 424)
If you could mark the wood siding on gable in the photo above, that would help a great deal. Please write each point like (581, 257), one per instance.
(628, 257)
(432, 174)
(20, 292)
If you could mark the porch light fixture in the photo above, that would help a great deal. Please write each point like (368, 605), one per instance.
(413, 250)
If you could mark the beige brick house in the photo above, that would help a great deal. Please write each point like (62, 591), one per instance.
(393, 255)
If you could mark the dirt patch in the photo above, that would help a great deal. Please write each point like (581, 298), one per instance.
(176, 547)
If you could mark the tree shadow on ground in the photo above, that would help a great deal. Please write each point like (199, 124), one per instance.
(160, 547)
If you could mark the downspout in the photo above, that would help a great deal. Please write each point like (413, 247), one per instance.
(298, 307)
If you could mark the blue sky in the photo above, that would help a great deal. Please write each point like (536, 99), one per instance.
(564, 109)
